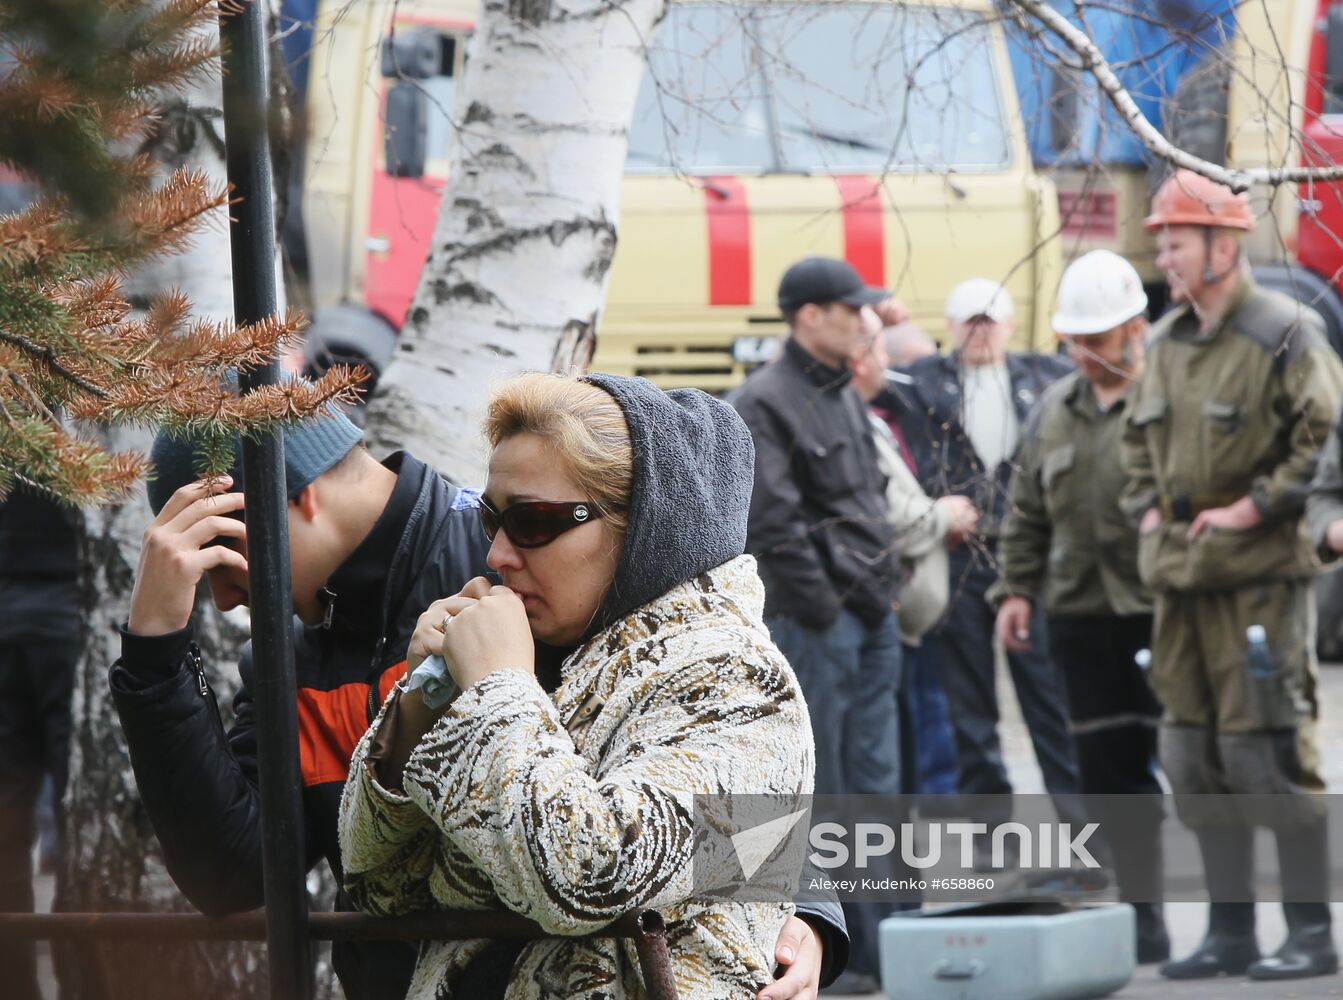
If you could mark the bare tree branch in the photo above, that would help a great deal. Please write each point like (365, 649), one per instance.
(1095, 63)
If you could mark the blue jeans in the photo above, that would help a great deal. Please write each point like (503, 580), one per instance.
(850, 674)
(926, 726)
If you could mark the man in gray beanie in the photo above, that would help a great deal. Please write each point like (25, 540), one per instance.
(371, 546)
(324, 467)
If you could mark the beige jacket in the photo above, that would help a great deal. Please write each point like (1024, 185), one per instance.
(575, 808)
(921, 532)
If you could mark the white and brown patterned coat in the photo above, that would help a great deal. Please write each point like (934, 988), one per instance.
(575, 808)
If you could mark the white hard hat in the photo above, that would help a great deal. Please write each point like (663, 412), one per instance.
(1099, 291)
(979, 297)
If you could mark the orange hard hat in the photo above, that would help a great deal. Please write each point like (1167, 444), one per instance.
(1190, 199)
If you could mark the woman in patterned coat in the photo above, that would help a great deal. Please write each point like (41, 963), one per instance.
(620, 670)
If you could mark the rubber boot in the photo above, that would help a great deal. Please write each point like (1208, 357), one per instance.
(1151, 942)
(1136, 853)
(1303, 860)
(1230, 946)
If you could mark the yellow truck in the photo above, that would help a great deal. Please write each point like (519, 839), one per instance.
(882, 133)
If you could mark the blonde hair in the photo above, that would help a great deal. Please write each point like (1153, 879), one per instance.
(583, 423)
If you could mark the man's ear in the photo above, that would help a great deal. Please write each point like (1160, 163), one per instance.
(1227, 249)
(306, 502)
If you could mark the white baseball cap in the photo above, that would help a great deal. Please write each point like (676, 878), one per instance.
(979, 297)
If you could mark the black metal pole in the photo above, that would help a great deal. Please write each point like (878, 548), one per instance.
(645, 927)
(252, 238)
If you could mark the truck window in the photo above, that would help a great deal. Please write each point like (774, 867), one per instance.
(831, 88)
(867, 87)
(701, 107)
(438, 91)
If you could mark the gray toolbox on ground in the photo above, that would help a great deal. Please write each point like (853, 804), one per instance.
(1029, 949)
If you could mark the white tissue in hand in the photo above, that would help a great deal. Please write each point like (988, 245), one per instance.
(435, 683)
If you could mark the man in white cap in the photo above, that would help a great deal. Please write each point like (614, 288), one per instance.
(1067, 546)
(963, 421)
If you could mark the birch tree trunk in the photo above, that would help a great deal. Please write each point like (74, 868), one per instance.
(526, 233)
(112, 859)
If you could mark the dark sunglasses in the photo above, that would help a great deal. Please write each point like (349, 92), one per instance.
(534, 523)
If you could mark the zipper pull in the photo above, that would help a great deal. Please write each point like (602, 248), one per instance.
(199, 667)
(330, 611)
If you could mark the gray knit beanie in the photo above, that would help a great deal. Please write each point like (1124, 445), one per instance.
(310, 448)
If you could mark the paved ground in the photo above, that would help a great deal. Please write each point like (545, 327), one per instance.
(1186, 920)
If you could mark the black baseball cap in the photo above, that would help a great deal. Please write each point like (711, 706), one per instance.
(822, 280)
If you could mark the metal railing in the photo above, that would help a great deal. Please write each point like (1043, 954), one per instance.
(645, 928)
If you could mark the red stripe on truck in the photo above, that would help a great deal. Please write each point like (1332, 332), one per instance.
(864, 227)
(729, 242)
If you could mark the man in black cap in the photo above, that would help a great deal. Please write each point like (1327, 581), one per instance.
(826, 551)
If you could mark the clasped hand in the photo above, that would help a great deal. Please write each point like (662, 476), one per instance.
(477, 631)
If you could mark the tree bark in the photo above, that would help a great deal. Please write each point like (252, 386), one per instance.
(518, 263)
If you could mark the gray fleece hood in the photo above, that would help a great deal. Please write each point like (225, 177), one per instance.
(694, 464)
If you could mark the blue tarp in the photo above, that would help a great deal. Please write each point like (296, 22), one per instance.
(1151, 44)
(296, 24)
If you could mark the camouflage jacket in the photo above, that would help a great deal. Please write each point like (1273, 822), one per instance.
(1238, 410)
(1065, 540)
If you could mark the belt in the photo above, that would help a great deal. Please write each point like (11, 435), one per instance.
(1187, 506)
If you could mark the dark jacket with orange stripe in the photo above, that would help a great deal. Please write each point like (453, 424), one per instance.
(199, 783)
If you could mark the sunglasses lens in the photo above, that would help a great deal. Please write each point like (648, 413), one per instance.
(532, 525)
(489, 520)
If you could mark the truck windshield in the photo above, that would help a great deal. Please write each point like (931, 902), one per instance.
(818, 88)
(702, 105)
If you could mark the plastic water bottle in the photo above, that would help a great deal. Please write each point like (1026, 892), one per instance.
(1143, 658)
(1258, 657)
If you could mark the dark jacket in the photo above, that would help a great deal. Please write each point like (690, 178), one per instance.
(930, 409)
(818, 524)
(199, 783)
(39, 567)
